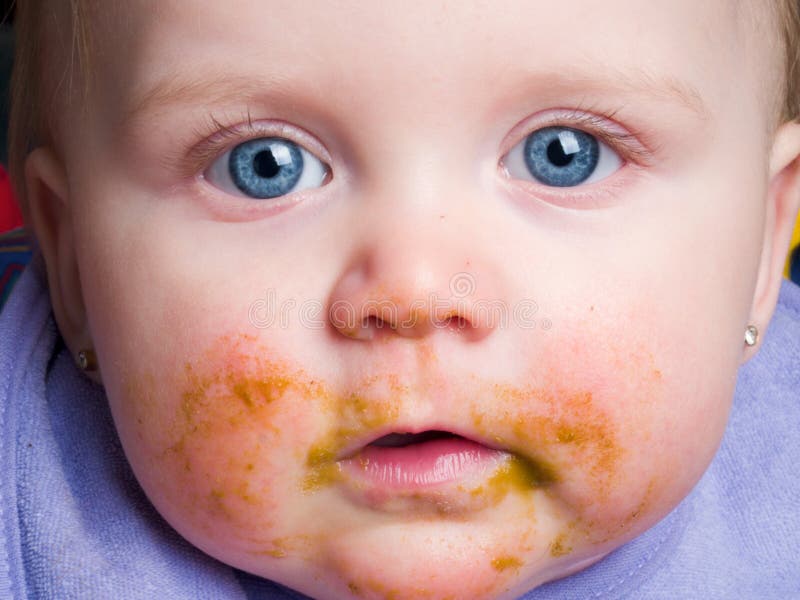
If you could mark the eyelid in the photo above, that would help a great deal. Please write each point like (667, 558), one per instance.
(222, 137)
(618, 138)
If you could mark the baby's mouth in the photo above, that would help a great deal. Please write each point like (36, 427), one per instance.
(424, 461)
(401, 440)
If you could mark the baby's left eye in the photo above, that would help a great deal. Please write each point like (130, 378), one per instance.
(561, 157)
(267, 167)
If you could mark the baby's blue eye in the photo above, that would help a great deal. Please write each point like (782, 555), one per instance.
(561, 157)
(267, 168)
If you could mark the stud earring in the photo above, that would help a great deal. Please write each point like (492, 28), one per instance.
(751, 335)
(87, 360)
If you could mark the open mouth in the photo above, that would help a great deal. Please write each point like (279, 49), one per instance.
(401, 440)
(415, 461)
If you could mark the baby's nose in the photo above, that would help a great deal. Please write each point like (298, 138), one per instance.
(405, 285)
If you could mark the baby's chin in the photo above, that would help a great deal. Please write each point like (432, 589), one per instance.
(430, 559)
(422, 560)
(484, 552)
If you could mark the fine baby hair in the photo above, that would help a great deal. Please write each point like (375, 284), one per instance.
(403, 301)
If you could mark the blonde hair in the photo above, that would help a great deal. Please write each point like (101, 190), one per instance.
(41, 42)
(35, 101)
(789, 23)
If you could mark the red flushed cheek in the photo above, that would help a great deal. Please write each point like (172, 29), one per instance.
(591, 415)
(216, 441)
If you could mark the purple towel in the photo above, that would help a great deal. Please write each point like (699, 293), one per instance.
(75, 524)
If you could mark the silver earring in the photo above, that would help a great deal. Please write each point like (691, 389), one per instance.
(87, 360)
(751, 335)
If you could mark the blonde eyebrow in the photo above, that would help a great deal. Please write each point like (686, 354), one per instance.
(226, 88)
(600, 79)
(230, 88)
(661, 86)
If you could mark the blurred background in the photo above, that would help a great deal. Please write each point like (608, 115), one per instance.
(6, 57)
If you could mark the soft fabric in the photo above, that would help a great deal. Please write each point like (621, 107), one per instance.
(74, 524)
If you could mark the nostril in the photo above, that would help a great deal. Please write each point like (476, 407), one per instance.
(383, 319)
(455, 323)
(374, 322)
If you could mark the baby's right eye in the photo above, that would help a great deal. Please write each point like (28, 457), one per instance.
(561, 157)
(267, 167)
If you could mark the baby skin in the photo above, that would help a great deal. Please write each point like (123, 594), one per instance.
(419, 301)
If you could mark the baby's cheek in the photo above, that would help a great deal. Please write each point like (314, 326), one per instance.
(214, 444)
(615, 428)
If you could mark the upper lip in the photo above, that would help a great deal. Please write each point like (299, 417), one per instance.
(354, 446)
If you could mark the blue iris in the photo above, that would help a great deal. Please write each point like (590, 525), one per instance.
(266, 167)
(560, 156)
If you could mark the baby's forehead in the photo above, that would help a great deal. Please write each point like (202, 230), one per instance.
(697, 53)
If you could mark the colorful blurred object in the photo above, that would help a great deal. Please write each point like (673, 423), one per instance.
(10, 216)
(793, 262)
(15, 253)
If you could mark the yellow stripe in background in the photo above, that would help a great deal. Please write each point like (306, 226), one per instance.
(792, 246)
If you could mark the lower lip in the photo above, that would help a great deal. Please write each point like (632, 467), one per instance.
(422, 466)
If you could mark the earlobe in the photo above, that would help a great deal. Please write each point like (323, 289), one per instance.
(50, 213)
(783, 200)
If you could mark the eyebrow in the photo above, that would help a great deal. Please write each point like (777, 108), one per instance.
(229, 88)
(661, 86)
(177, 90)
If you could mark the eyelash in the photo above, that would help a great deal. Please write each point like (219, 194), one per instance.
(217, 137)
(631, 145)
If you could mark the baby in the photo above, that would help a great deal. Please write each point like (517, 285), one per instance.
(420, 300)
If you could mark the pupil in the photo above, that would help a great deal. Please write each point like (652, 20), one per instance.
(556, 154)
(265, 164)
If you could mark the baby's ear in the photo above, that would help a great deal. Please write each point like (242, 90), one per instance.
(783, 200)
(50, 213)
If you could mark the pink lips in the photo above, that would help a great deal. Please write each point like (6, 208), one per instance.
(428, 460)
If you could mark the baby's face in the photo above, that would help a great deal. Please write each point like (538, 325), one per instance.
(419, 300)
